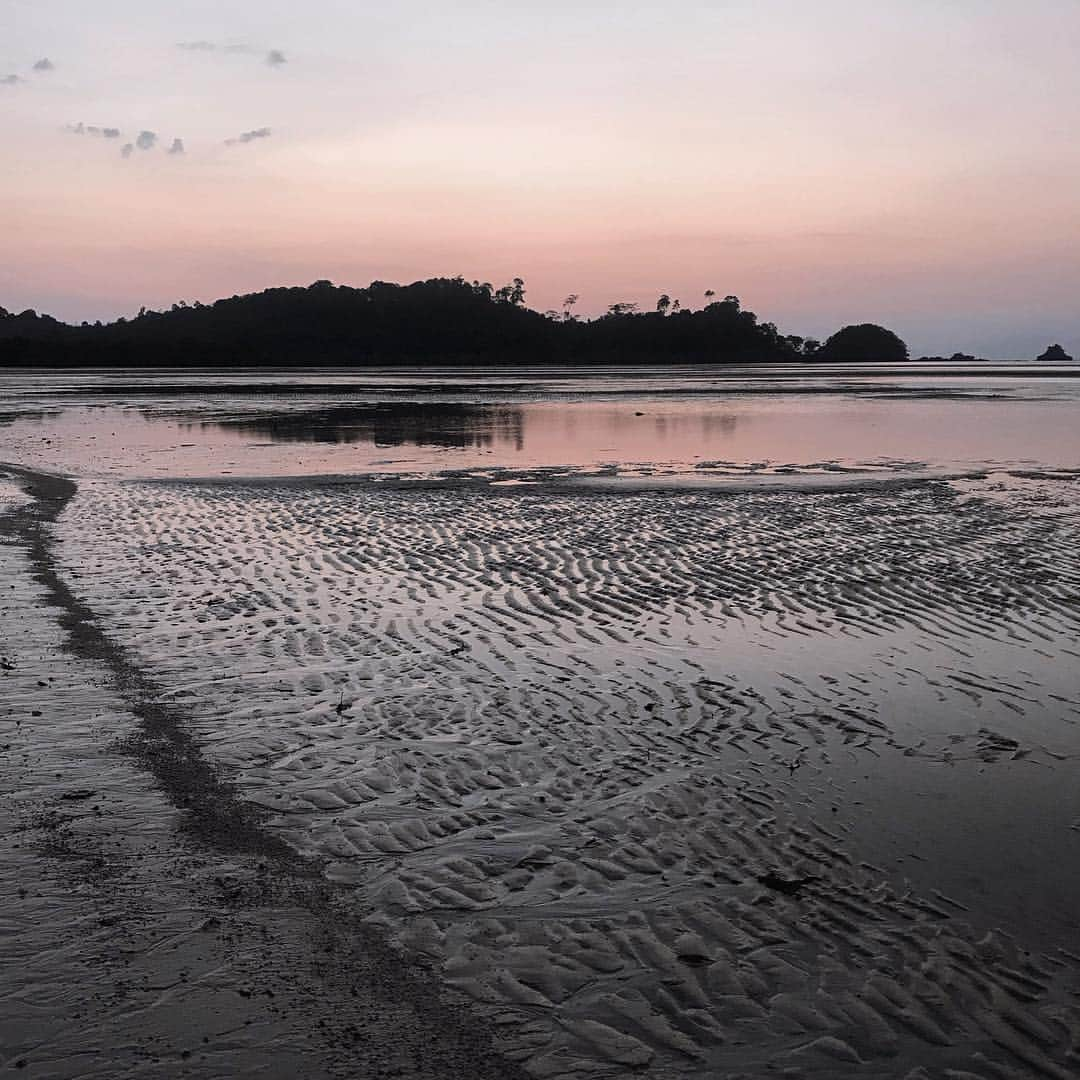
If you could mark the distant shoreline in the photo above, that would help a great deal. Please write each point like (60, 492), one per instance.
(441, 322)
(203, 372)
(445, 320)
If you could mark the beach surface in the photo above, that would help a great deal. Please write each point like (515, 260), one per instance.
(738, 766)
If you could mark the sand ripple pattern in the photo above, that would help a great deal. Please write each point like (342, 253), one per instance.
(587, 753)
(11, 495)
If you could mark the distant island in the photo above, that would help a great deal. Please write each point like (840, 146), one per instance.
(956, 358)
(1055, 352)
(438, 321)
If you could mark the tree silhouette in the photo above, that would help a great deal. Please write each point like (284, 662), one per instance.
(438, 321)
(513, 294)
(863, 343)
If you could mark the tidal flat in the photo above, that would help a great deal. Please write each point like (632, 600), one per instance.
(679, 724)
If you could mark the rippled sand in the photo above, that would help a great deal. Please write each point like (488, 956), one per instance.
(692, 783)
(146, 930)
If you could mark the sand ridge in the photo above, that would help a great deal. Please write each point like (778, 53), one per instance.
(601, 758)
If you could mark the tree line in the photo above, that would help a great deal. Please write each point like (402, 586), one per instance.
(438, 321)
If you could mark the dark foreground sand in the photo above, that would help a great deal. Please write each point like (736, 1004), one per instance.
(148, 927)
(669, 784)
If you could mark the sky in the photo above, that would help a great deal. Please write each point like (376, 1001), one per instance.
(911, 163)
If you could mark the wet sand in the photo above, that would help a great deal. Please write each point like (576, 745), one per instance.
(150, 926)
(661, 783)
(675, 783)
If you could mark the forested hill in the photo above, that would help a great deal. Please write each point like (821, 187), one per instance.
(440, 321)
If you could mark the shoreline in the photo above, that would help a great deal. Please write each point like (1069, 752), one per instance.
(560, 481)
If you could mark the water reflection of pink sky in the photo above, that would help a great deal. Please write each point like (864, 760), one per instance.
(697, 436)
(801, 431)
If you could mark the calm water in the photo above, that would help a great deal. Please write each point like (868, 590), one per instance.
(708, 424)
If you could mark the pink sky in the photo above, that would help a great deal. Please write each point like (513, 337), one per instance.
(908, 163)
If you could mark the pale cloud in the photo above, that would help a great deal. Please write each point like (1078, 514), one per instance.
(145, 140)
(235, 47)
(93, 129)
(9, 80)
(249, 136)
